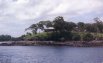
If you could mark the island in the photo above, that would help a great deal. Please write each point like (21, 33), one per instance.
(58, 32)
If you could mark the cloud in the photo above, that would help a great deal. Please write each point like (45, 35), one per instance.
(16, 15)
(77, 6)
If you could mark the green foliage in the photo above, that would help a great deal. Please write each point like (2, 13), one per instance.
(81, 26)
(51, 36)
(34, 28)
(5, 37)
(40, 36)
(88, 37)
(62, 26)
(90, 27)
(99, 25)
(63, 30)
(60, 36)
(46, 23)
(58, 21)
(76, 37)
(28, 36)
(41, 25)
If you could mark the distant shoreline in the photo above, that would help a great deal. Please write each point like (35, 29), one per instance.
(52, 43)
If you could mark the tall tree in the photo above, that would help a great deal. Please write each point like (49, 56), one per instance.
(59, 23)
(46, 24)
(99, 25)
(34, 28)
(90, 27)
(81, 26)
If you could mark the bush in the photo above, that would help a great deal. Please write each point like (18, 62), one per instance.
(40, 36)
(76, 37)
(88, 37)
(54, 36)
(58, 36)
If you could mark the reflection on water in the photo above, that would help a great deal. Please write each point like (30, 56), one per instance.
(47, 54)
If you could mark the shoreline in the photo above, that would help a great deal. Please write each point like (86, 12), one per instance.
(52, 43)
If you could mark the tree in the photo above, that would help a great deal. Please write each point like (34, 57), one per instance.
(5, 37)
(88, 37)
(34, 28)
(81, 26)
(62, 26)
(90, 27)
(69, 26)
(76, 37)
(46, 23)
(99, 25)
(41, 25)
(59, 29)
(58, 24)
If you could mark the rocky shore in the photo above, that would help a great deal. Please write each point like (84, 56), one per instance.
(51, 43)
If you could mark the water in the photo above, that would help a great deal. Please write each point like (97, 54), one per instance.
(50, 54)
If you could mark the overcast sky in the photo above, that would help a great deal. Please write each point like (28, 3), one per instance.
(16, 15)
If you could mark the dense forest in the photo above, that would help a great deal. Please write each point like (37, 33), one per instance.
(61, 30)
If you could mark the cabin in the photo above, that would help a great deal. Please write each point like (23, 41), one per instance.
(50, 29)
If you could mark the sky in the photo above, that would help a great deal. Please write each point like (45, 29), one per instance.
(16, 15)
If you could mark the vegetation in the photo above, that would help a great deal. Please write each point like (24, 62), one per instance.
(76, 37)
(88, 37)
(5, 37)
(61, 30)
(10, 38)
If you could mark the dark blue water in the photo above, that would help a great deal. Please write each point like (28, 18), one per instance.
(50, 54)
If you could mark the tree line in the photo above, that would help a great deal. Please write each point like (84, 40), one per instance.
(61, 30)
(10, 38)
